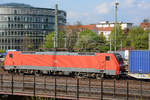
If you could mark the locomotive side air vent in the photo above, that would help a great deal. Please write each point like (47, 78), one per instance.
(87, 53)
(28, 52)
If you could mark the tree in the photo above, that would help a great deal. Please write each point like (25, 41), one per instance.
(102, 37)
(49, 40)
(87, 40)
(71, 36)
(2, 51)
(27, 43)
(146, 20)
(103, 44)
(120, 37)
(137, 38)
(61, 40)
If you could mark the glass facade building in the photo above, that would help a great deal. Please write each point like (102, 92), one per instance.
(20, 20)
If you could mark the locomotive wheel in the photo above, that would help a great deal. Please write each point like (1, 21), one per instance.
(118, 77)
(98, 76)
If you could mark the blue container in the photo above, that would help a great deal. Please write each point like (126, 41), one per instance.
(139, 61)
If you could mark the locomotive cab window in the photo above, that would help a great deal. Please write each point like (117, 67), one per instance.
(107, 58)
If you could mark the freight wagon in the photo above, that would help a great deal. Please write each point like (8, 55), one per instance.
(82, 64)
(139, 64)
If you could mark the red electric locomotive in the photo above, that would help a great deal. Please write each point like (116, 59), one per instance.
(91, 64)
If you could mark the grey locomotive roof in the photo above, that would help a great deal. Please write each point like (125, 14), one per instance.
(61, 53)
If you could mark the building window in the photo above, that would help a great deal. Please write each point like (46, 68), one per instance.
(18, 25)
(15, 18)
(18, 18)
(2, 33)
(6, 33)
(8, 25)
(47, 20)
(15, 11)
(30, 19)
(21, 26)
(15, 26)
(12, 33)
(8, 18)
(25, 19)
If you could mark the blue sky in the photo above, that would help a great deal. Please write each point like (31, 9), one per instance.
(93, 11)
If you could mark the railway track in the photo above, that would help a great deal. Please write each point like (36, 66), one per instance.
(73, 87)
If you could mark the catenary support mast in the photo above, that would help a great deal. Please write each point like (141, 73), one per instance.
(116, 8)
(56, 27)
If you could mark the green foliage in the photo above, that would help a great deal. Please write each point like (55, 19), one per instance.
(120, 37)
(49, 40)
(137, 38)
(27, 43)
(102, 37)
(87, 40)
(72, 35)
(104, 44)
(2, 51)
(61, 40)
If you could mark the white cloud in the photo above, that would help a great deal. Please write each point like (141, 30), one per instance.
(72, 14)
(128, 10)
(104, 8)
(129, 2)
(143, 5)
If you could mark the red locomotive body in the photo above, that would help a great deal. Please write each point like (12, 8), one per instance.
(63, 62)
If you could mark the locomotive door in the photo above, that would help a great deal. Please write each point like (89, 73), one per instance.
(107, 62)
(103, 63)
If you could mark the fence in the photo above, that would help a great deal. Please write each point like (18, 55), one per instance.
(73, 88)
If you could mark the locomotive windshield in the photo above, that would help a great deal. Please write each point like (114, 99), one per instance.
(119, 58)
